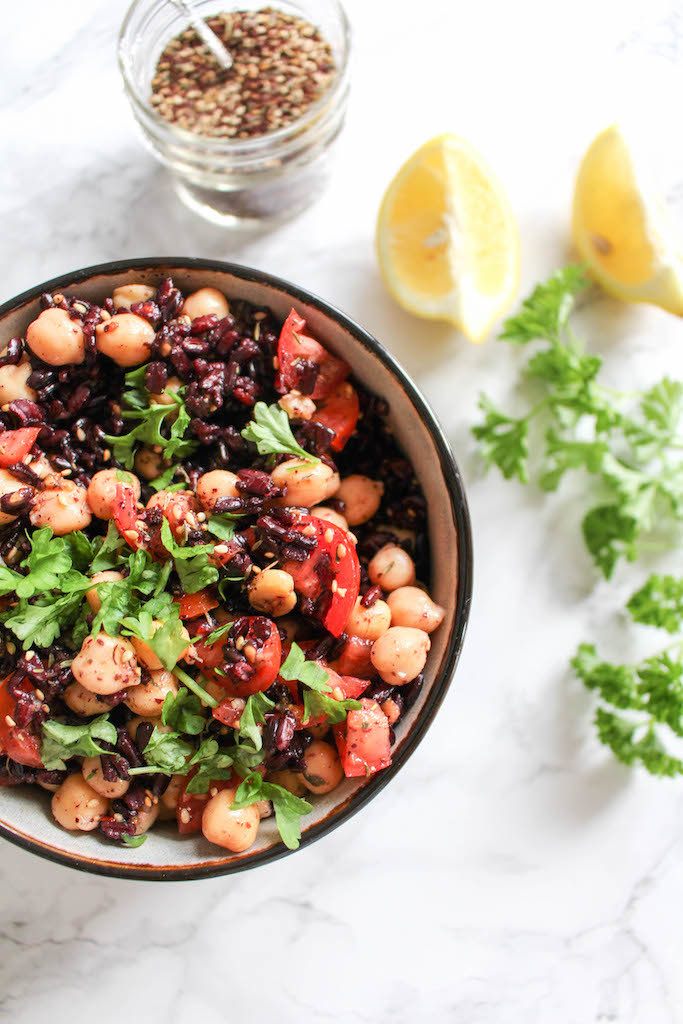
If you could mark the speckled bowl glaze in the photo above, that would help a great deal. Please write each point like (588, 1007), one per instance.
(25, 817)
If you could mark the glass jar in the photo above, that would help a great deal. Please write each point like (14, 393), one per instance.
(238, 181)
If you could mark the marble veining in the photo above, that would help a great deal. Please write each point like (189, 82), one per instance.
(512, 873)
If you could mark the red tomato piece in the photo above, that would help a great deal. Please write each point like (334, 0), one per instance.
(355, 660)
(294, 346)
(15, 444)
(229, 711)
(353, 687)
(191, 806)
(335, 554)
(363, 741)
(263, 638)
(19, 744)
(339, 411)
(126, 515)
(194, 605)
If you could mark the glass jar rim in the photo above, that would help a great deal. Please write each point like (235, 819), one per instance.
(215, 144)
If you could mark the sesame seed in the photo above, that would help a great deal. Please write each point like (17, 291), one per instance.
(185, 816)
(40, 695)
(10, 721)
(341, 550)
(309, 530)
(334, 586)
(328, 535)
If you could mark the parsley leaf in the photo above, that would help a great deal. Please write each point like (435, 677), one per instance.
(191, 563)
(659, 602)
(295, 667)
(288, 808)
(39, 624)
(107, 556)
(316, 704)
(271, 433)
(253, 715)
(167, 752)
(151, 419)
(184, 712)
(222, 526)
(62, 742)
(504, 441)
(167, 640)
(213, 764)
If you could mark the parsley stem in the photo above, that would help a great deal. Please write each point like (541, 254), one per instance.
(148, 770)
(196, 688)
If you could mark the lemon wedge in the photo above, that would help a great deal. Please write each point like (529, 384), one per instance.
(621, 231)
(447, 240)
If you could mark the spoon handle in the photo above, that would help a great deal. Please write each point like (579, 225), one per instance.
(207, 36)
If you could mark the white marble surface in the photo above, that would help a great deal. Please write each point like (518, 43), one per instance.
(512, 873)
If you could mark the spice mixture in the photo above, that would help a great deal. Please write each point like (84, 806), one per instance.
(281, 66)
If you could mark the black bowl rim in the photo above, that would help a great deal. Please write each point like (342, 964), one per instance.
(459, 507)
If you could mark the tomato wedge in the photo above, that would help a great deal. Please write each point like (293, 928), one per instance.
(339, 411)
(354, 659)
(18, 744)
(194, 605)
(125, 516)
(15, 444)
(332, 569)
(295, 347)
(364, 742)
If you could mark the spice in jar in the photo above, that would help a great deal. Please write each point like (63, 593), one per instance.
(281, 66)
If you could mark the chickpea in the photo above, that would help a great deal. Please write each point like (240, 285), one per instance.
(234, 830)
(411, 606)
(125, 338)
(322, 768)
(368, 623)
(144, 652)
(102, 490)
(148, 698)
(391, 568)
(305, 483)
(291, 781)
(106, 664)
(204, 302)
(8, 484)
(146, 816)
(77, 806)
(272, 592)
(330, 516)
(92, 773)
(361, 497)
(264, 808)
(168, 801)
(92, 596)
(400, 654)
(13, 382)
(297, 406)
(82, 701)
(63, 508)
(126, 295)
(49, 787)
(219, 483)
(149, 464)
(55, 338)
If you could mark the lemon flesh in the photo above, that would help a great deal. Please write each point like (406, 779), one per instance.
(622, 232)
(447, 241)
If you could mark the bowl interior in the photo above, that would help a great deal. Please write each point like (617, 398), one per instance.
(25, 817)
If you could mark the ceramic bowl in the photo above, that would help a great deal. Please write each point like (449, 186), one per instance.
(25, 817)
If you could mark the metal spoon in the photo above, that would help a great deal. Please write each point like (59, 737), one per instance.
(207, 36)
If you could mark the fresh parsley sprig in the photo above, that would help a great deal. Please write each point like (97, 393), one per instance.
(317, 688)
(271, 433)
(640, 709)
(61, 742)
(174, 417)
(629, 444)
(288, 808)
